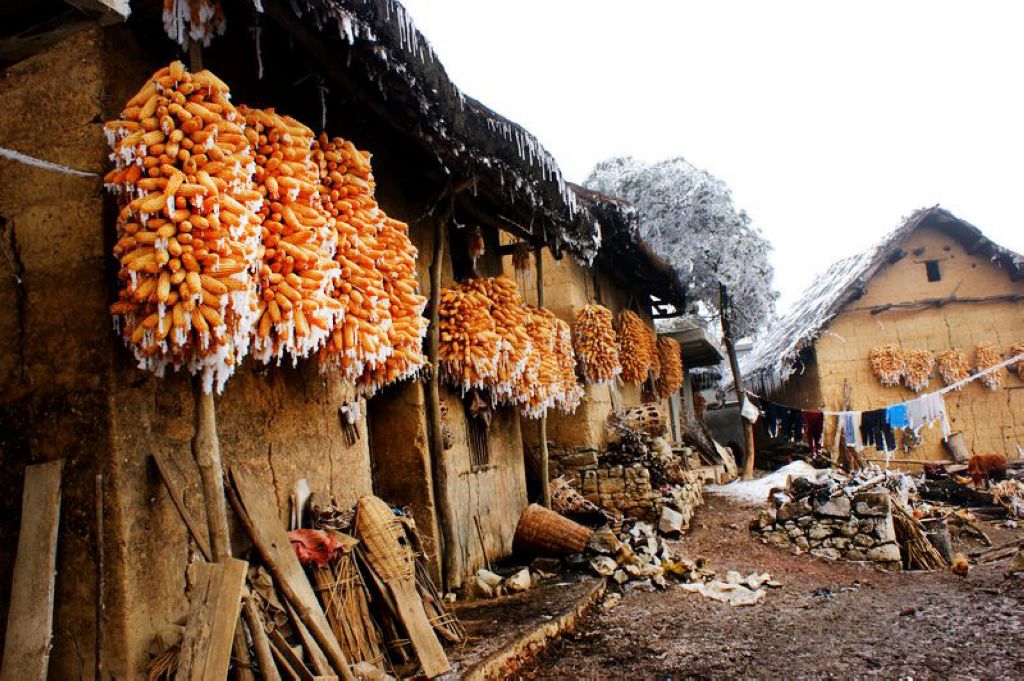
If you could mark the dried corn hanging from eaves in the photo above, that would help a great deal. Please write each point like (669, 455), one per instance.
(549, 378)
(918, 366)
(1018, 349)
(986, 354)
(671, 358)
(187, 230)
(298, 272)
(195, 20)
(887, 363)
(953, 366)
(595, 344)
(634, 347)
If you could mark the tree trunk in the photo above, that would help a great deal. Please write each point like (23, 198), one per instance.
(725, 309)
(545, 489)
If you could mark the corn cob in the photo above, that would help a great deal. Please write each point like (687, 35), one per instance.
(549, 378)
(918, 371)
(595, 344)
(887, 363)
(652, 352)
(671, 378)
(298, 273)
(195, 20)
(187, 233)
(953, 366)
(986, 354)
(634, 347)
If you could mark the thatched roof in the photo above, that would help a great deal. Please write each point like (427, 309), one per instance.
(777, 355)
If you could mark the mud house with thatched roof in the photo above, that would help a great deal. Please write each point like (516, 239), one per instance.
(934, 284)
(358, 69)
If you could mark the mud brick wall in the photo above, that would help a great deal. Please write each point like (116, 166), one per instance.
(857, 529)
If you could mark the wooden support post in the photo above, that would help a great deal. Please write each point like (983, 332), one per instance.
(725, 310)
(545, 486)
(101, 597)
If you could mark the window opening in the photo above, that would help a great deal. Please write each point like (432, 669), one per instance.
(932, 268)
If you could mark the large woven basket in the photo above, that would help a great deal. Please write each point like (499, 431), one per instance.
(384, 540)
(542, 532)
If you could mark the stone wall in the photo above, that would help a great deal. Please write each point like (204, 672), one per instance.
(857, 529)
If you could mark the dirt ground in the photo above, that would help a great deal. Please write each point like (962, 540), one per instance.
(829, 620)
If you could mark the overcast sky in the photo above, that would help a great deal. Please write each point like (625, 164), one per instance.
(830, 120)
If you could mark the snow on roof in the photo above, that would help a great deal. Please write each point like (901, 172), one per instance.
(777, 354)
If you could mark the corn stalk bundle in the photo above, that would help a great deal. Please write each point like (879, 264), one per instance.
(1017, 349)
(953, 365)
(298, 272)
(187, 233)
(986, 354)
(671, 358)
(380, 338)
(887, 363)
(484, 342)
(634, 347)
(919, 365)
(193, 20)
(594, 342)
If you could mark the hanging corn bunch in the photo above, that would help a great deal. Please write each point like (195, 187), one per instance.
(475, 245)
(193, 20)
(298, 272)
(953, 366)
(918, 369)
(595, 344)
(1018, 349)
(671, 359)
(379, 340)
(652, 352)
(483, 338)
(986, 354)
(187, 231)
(570, 393)
(549, 378)
(521, 259)
(887, 363)
(634, 347)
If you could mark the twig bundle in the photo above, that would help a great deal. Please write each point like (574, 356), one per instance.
(986, 354)
(918, 552)
(634, 347)
(187, 231)
(918, 370)
(671, 378)
(887, 363)
(1017, 349)
(953, 366)
(594, 341)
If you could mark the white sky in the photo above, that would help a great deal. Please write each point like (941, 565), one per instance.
(830, 120)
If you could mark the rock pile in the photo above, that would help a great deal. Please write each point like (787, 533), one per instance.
(814, 517)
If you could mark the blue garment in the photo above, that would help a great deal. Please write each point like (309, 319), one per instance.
(896, 416)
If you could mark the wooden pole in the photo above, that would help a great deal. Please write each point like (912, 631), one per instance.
(438, 459)
(101, 598)
(725, 309)
(545, 487)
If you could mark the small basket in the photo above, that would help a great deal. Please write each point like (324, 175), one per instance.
(542, 532)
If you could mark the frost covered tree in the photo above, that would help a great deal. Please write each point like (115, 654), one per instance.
(688, 218)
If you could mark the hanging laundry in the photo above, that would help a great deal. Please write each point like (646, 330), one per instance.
(784, 422)
(814, 426)
(773, 416)
(926, 410)
(896, 415)
(876, 432)
(851, 429)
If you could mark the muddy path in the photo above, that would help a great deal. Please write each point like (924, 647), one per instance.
(829, 620)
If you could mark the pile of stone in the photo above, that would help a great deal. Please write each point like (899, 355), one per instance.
(638, 554)
(833, 517)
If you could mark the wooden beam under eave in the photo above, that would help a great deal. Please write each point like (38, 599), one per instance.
(106, 12)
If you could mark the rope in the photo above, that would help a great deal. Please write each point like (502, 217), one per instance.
(40, 163)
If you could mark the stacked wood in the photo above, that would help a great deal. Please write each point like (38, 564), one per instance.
(187, 234)
(918, 367)
(1015, 350)
(634, 347)
(888, 363)
(298, 273)
(953, 366)
(671, 378)
(594, 342)
(379, 340)
(986, 354)
(918, 552)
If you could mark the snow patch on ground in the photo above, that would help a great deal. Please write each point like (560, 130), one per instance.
(756, 491)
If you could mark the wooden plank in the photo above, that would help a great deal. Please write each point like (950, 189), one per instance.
(175, 481)
(289, 658)
(258, 514)
(316, 656)
(30, 617)
(216, 601)
(409, 605)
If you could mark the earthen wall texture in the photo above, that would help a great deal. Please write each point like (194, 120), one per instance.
(991, 421)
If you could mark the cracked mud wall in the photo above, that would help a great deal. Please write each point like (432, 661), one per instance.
(992, 421)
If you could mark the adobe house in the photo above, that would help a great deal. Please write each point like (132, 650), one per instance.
(935, 283)
(71, 391)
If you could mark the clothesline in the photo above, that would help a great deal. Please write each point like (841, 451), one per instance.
(942, 391)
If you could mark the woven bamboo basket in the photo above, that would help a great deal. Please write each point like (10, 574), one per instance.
(542, 532)
(386, 545)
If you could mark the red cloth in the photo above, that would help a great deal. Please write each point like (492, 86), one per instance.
(814, 428)
(314, 546)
